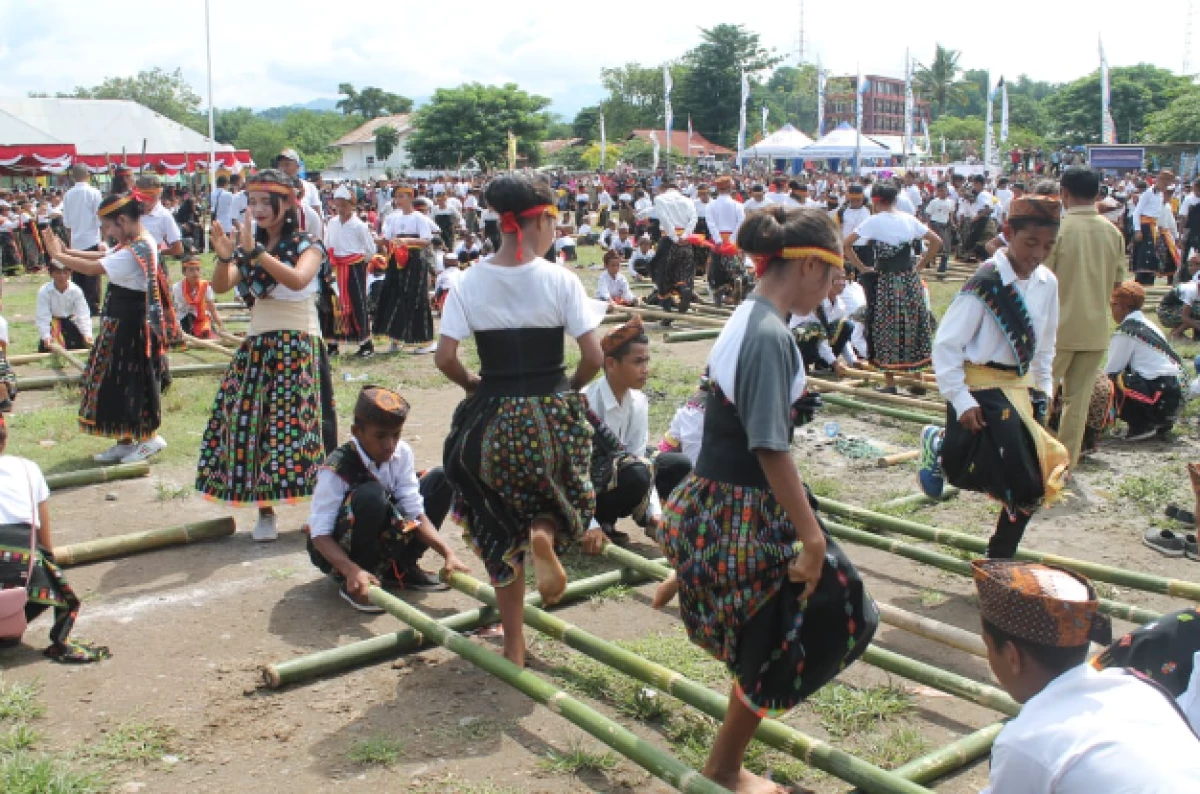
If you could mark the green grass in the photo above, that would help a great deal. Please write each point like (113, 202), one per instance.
(847, 711)
(577, 759)
(896, 746)
(165, 491)
(933, 598)
(25, 770)
(19, 702)
(376, 751)
(616, 593)
(133, 742)
(1150, 491)
(19, 738)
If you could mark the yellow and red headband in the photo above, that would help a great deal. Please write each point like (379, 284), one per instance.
(798, 252)
(262, 186)
(510, 222)
(109, 209)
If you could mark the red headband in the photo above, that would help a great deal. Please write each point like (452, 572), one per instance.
(510, 223)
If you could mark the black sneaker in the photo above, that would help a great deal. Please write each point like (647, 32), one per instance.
(365, 350)
(368, 607)
(1189, 547)
(1164, 541)
(1140, 433)
(420, 580)
(1182, 516)
(331, 349)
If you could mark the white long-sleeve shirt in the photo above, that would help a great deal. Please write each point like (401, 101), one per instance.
(725, 216)
(80, 205)
(1125, 351)
(630, 422)
(1149, 206)
(398, 475)
(646, 256)
(969, 334)
(676, 214)
(71, 303)
(611, 288)
(351, 237)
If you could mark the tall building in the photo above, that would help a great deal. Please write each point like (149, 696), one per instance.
(883, 105)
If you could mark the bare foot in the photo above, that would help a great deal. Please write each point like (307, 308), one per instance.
(665, 592)
(547, 570)
(744, 782)
(515, 651)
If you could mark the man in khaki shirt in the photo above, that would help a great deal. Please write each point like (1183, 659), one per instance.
(1089, 261)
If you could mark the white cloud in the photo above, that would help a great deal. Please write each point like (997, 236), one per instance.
(275, 52)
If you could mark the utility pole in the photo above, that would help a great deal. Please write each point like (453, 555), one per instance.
(1187, 39)
(801, 63)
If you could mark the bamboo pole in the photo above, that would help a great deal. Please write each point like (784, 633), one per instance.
(930, 629)
(691, 317)
(952, 757)
(915, 403)
(643, 753)
(389, 646)
(1150, 583)
(945, 562)
(232, 305)
(233, 338)
(883, 410)
(75, 479)
(897, 458)
(692, 336)
(943, 680)
(66, 356)
(28, 358)
(137, 542)
(915, 379)
(50, 381)
(207, 345)
(920, 499)
(770, 732)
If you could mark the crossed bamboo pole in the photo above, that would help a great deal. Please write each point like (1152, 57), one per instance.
(50, 381)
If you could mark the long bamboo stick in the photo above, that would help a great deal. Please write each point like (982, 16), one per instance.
(916, 379)
(1150, 583)
(920, 499)
(945, 562)
(692, 336)
(138, 542)
(771, 732)
(67, 356)
(952, 757)
(28, 358)
(234, 338)
(389, 646)
(930, 629)
(870, 395)
(74, 479)
(691, 317)
(897, 458)
(655, 761)
(207, 345)
(884, 410)
(50, 381)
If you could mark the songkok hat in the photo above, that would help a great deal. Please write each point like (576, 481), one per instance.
(1040, 604)
(724, 182)
(1130, 293)
(622, 334)
(757, 189)
(379, 406)
(855, 190)
(290, 154)
(1043, 208)
(343, 193)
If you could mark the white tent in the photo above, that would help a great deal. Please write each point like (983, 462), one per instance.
(841, 143)
(784, 143)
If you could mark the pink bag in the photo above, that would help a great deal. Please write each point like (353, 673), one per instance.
(13, 600)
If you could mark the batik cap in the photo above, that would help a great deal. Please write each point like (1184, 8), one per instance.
(1043, 208)
(622, 334)
(379, 406)
(1039, 603)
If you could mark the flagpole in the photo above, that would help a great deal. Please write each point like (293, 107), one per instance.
(858, 90)
(212, 142)
(907, 107)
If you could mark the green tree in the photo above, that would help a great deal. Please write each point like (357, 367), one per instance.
(310, 132)
(371, 102)
(965, 135)
(1177, 122)
(264, 139)
(587, 124)
(1137, 92)
(711, 90)
(939, 81)
(790, 96)
(228, 123)
(635, 99)
(557, 127)
(163, 92)
(387, 138)
(473, 120)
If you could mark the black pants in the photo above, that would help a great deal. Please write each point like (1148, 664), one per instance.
(90, 286)
(671, 468)
(72, 338)
(1009, 531)
(634, 481)
(943, 231)
(372, 511)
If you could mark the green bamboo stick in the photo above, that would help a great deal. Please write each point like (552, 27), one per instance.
(28, 358)
(50, 381)
(643, 753)
(952, 757)
(74, 479)
(920, 499)
(1104, 573)
(692, 336)
(860, 537)
(883, 410)
(389, 646)
(138, 542)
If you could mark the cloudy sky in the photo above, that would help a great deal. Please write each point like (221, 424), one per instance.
(271, 52)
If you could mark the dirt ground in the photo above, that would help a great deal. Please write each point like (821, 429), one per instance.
(191, 627)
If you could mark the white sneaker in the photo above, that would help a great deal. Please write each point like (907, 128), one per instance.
(146, 449)
(266, 529)
(395, 347)
(115, 453)
(424, 351)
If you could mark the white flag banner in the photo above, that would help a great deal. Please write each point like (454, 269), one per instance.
(764, 120)
(987, 126)
(654, 141)
(689, 140)
(1003, 111)
(741, 150)
(860, 90)
(820, 101)
(1108, 130)
(670, 116)
(908, 106)
(603, 145)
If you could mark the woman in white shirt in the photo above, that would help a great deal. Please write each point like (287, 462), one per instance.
(269, 433)
(127, 370)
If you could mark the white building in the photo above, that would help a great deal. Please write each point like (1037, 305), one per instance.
(358, 151)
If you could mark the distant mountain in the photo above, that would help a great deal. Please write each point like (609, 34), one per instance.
(278, 113)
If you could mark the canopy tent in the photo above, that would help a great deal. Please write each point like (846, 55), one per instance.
(26, 149)
(896, 144)
(105, 132)
(843, 143)
(782, 144)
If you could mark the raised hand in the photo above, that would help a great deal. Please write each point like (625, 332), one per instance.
(222, 245)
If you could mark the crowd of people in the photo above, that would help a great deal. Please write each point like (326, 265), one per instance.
(822, 272)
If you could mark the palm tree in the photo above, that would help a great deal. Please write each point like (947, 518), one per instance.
(939, 81)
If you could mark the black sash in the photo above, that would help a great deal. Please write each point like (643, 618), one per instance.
(1009, 310)
(1143, 333)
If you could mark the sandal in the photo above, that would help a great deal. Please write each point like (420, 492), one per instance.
(77, 652)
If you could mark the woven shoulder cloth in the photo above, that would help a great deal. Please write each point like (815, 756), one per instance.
(1145, 334)
(160, 310)
(258, 283)
(1008, 308)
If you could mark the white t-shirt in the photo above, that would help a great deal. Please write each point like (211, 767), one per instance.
(448, 278)
(80, 205)
(182, 307)
(892, 228)
(162, 226)
(940, 210)
(537, 294)
(16, 475)
(412, 224)
(3, 330)
(124, 270)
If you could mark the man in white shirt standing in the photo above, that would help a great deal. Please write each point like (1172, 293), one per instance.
(1146, 217)
(1080, 730)
(288, 162)
(1004, 197)
(220, 204)
(912, 192)
(62, 314)
(940, 211)
(726, 274)
(757, 200)
(240, 200)
(157, 219)
(674, 267)
(80, 206)
(350, 245)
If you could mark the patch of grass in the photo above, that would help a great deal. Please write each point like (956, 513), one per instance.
(133, 742)
(892, 748)
(166, 491)
(26, 773)
(1106, 590)
(618, 592)
(20, 737)
(1147, 491)
(578, 759)
(675, 651)
(933, 598)
(472, 731)
(376, 751)
(846, 710)
(277, 574)
(19, 703)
